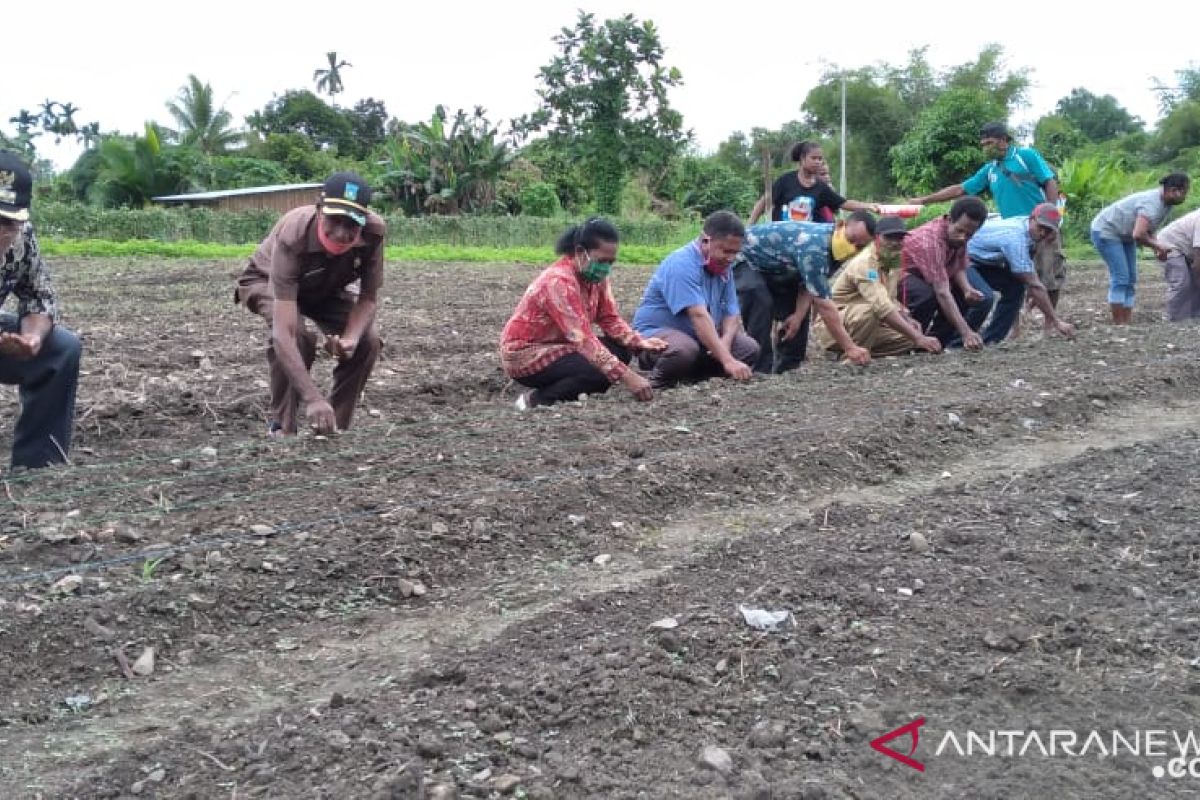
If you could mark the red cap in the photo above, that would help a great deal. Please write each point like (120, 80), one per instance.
(1047, 214)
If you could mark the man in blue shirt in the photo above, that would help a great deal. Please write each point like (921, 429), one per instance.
(782, 270)
(691, 303)
(1002, 255)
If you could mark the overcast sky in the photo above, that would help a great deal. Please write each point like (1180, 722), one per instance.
(120, 61)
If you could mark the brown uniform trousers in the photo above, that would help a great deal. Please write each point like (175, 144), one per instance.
(330, 315)
(867, 330)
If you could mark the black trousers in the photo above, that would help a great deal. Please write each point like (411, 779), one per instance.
(571, 376)
(765, 300)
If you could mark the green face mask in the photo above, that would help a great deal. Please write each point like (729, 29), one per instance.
(595, 271)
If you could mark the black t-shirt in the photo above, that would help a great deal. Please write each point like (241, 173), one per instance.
(809, 199)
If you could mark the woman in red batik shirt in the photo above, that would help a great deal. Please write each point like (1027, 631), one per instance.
(549, 343)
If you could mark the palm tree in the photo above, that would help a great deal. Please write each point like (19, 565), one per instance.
(132, 170)
(329, 80)
(201, 124)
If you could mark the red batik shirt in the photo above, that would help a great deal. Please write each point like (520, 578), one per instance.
(555, 318)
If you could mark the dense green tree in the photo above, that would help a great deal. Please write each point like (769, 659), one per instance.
(368, 126)
(1177, 131)
(135, 169)
(301, 111)
(1186, 86)
(987, 74)
(705, 184)
(199, 122)
(1098, 118)
(876, 118)
(1056, 137)
(296, 153)
(605, 102)
(942, 148)
(446, 166)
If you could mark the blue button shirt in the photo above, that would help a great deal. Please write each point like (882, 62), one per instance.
(679, 283)
(1003, 242)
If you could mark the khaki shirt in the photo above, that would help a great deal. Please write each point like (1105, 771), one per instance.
(864, 282)
(298, 268)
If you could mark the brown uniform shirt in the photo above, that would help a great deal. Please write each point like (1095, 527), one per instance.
(863, 281)
(298, 268)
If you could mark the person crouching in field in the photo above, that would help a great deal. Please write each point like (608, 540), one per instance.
(864, 292)
(691, 303)
(36, 355)
(305, 268)
(1181, 268)
(549, 345)
(1120, 228)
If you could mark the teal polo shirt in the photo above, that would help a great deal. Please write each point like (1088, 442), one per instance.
(1014, 181)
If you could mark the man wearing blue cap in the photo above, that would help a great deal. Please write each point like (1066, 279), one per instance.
(305, 268)
(36, 355)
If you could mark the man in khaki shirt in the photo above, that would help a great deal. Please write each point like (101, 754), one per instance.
(305, 268)
(865, 293)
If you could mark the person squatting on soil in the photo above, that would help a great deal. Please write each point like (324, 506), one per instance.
(864, 292)
(1018, 179)
(804, 194)
(1181, 268)
(1002, 256)
(1131, 221)
(691, 304)
(549, 344)
(305, 268)
(781, 272)
(36, 355)
(934, 283)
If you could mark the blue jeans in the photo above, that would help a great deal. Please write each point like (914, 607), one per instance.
(1121, 258)
(47, 384)
(1010, 294)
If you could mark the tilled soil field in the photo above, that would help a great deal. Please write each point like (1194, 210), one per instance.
(458, 600)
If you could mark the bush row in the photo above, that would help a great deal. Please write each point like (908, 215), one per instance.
(81, 222)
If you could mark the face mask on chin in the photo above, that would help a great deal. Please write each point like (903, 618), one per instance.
(711, 265)
(336, 248)
(842, 247)
(888, 259)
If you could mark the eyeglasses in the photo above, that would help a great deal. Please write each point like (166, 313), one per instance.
(7, 224)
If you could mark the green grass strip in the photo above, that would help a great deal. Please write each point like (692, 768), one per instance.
(151, 248)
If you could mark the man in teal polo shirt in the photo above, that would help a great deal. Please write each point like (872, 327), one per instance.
(1019, 179)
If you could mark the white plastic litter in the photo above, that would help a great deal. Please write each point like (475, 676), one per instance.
(763, 620)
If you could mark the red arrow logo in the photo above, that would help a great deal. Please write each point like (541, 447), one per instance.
(911, 729)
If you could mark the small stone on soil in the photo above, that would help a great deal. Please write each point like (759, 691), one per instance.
(67, 584)
(145, 663)
(506, 784)
(716, 759)
(918, 543)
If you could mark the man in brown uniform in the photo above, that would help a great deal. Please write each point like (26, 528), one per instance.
(303, 269)
(865, 293)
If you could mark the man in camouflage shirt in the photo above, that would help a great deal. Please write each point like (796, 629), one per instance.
(35, 354)
(782, 271)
